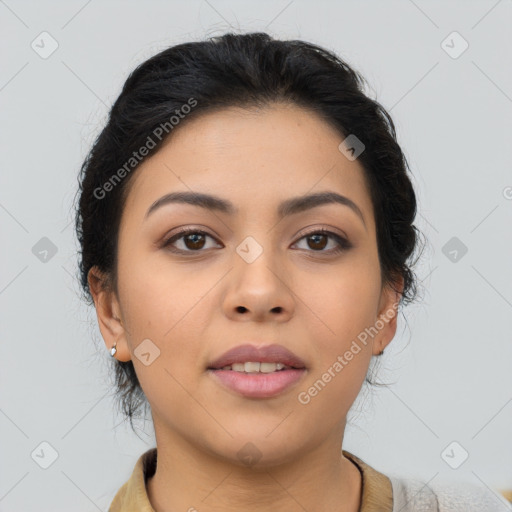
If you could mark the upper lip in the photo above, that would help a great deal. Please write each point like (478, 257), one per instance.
(265, 354)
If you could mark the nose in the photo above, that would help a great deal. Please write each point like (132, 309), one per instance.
(259, 291)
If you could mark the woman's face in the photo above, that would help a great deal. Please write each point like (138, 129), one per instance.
(255, 277)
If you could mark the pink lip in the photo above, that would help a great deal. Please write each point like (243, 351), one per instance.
(267, 354)
(258, 385)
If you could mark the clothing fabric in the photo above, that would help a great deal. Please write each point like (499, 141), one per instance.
(379, 493)
(416, 496)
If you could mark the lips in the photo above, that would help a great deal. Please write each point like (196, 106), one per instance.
(267, 354)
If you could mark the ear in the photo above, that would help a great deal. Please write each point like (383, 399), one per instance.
(108, 313)
(387, 314)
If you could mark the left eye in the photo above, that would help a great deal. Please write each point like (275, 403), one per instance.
(319, 237)
(194, 241)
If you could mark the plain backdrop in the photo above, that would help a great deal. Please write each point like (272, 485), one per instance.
(442, 69)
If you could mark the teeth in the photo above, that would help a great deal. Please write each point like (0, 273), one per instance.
(253, 367)
(270, 367)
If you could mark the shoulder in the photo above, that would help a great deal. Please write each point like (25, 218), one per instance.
(415, 495)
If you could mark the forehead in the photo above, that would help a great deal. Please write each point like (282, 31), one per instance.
(254, 157)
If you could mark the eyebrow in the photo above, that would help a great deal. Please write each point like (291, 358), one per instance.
(286, 208)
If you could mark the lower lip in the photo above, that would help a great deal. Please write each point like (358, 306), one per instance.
(258, 385)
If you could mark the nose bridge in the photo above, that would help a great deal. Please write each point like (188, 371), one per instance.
(258, 279)
(258, 238)
(257, 258)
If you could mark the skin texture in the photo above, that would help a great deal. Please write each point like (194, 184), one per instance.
(196, 306)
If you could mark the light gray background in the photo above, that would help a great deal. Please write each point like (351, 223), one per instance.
(452, 366)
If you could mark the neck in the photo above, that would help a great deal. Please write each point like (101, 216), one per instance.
(315, 479)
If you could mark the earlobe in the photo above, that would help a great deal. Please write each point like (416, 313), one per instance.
(107, 312)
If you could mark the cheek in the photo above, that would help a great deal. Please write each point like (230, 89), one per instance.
(346, 299)
(345, 306)
(161, 309)
(171, 306)
(156, 294)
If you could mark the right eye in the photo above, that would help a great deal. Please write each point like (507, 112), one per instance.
(193, 240)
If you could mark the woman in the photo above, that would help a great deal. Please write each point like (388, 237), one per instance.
(246, 229)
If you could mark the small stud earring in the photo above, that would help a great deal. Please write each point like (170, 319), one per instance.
(113, 350)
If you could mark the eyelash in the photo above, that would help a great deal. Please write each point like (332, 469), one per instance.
(343, 243)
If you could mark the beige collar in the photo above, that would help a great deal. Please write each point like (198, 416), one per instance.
(377, 492)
